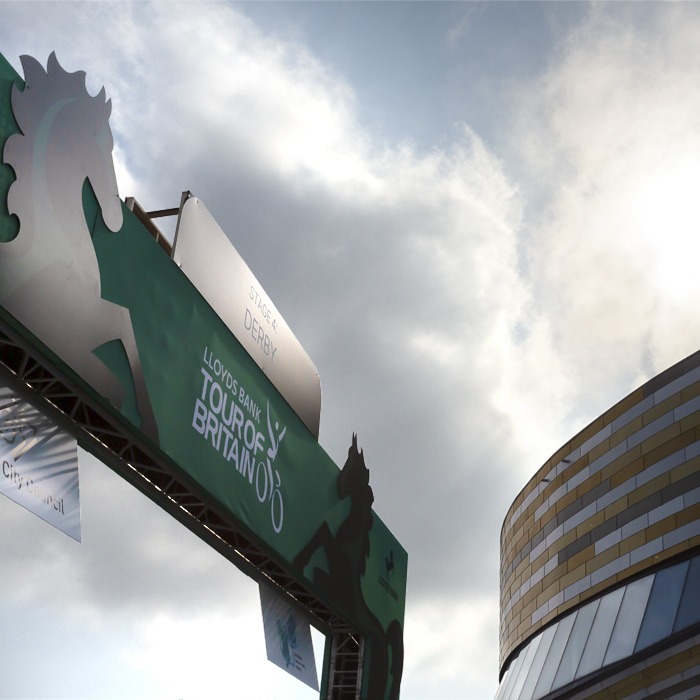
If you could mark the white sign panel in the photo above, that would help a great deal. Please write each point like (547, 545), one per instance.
(288, 637)
(39, 464)
(206, 255)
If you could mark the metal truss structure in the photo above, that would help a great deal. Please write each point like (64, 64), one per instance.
(98, 429)
(345, 673)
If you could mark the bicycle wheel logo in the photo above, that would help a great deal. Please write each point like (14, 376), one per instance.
(268, 488)
(266, 485)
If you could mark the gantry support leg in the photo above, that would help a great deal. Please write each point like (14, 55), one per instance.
(345, 667)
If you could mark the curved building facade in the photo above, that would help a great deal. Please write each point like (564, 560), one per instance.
(600, 556)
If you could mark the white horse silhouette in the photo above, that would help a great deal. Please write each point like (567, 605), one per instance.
(49, 275)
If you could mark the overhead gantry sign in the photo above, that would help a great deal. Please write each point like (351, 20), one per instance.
(110, 338)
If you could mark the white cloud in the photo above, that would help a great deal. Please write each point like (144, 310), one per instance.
(216, 656)
(611, 135)
(452, 643)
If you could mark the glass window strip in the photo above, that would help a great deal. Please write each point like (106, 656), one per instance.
(574, 647)
(516, 670)
(528, 690)
(615, 616)
(527, 665)
(554, 657)
(595, 604)
(507, 679)
(680, 602)
(664, 603)
(629, 620)
(616, 630)
(521, 667)
(689, 609)
(599, 637)
(503, 683)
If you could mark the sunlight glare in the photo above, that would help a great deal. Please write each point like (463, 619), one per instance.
(669, 220)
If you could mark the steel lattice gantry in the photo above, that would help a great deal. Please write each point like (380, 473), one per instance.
(43, 383)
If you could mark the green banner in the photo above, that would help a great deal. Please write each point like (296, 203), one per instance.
(183, 378)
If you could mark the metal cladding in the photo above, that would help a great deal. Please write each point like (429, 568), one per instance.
(600, 554)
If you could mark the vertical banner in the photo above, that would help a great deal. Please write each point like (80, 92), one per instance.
(288, 637)
(39, 464)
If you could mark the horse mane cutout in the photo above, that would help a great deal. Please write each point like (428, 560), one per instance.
(65, 141)
(41, 88)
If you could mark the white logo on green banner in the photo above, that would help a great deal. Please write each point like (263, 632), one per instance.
(39, 464)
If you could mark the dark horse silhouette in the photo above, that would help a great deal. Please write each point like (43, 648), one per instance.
(346, 554)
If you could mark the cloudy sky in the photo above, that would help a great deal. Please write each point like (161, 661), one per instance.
(480, 220)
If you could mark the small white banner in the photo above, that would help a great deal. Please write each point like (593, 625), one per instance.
(288, 637)
(39, 464)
